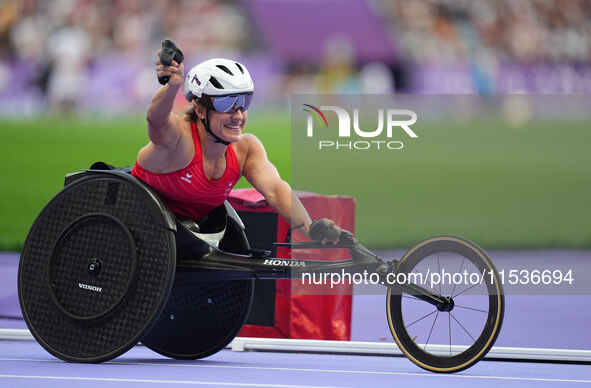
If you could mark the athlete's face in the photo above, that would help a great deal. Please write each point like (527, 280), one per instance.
(228, 126)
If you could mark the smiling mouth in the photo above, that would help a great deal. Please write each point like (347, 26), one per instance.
(233, 127)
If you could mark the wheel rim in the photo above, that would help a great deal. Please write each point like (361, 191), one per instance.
(440, 340)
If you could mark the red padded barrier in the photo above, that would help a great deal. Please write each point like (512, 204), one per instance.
(316, 312)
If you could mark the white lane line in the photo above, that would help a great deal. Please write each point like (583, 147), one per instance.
(185, 382)
(340, 371)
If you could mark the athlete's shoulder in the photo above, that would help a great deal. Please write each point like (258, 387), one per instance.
(250, 148)
(252, 140)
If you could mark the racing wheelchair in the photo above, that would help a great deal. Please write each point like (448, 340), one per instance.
(106, 265)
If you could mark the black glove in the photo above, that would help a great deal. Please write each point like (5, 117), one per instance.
(324, 230)
(169, 52)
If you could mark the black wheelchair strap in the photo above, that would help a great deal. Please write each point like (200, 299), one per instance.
(105, 166)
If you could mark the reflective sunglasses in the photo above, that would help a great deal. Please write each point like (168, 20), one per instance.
(225, 104)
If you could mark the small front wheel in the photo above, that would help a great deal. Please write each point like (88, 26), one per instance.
(453, 335)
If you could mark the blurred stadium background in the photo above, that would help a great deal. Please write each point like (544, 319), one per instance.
(76, 77)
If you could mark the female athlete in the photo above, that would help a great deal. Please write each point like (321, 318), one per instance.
(194, 161)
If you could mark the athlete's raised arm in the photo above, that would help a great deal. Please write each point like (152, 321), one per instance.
(164, 128)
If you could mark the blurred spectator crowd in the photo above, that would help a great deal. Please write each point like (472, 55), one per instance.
(30, 29)
(61, 39)
(449, 31)
(425, 30)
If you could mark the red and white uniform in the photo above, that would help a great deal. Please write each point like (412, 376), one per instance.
(188, 192)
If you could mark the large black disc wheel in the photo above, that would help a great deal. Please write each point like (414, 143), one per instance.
(97, 268)
(201, 317)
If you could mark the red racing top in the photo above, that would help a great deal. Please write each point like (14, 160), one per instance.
(189, 192)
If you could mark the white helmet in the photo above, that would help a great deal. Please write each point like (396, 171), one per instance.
(217, 77)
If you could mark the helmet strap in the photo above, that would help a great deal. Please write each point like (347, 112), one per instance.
(205, 122)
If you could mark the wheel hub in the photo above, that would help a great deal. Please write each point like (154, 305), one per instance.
(447, 305)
